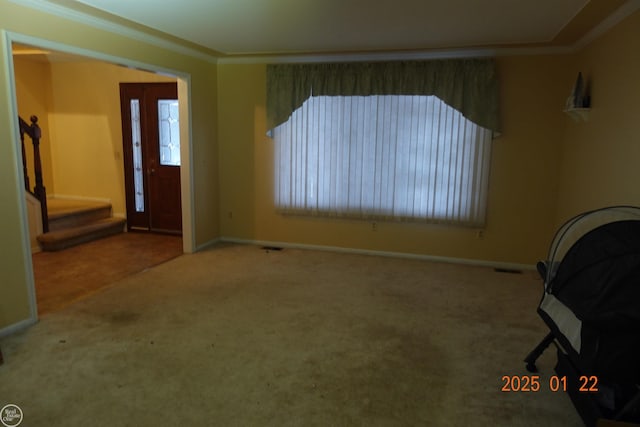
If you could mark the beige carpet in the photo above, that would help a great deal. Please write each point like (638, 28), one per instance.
(236, 336)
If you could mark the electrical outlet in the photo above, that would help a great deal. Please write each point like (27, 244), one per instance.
(374, 226)
(480, 234)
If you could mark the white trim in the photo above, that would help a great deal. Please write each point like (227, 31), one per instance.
(396, 56)
(188, 227)
(112, 27)
(186, 169)
(609, 22)
(9, 37)
(103, 24)
(612, 20)
(208, 244)
(450, 260)
(17, 327)
(96, 55)
(10, 85)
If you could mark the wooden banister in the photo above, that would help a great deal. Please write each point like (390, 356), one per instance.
(24, 156)
(39, 191)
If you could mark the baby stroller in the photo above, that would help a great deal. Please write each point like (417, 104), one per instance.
(591, 304)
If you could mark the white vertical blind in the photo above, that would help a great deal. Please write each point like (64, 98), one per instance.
(387, 156)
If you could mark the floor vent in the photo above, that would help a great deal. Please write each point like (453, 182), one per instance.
(271, 248)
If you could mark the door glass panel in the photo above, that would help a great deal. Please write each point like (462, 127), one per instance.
(138, 176)
(169, 131)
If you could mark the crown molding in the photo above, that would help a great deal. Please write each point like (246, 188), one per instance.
(395, 55)
(112, 27)
(61, 11)
(48, 45)
(609, 22)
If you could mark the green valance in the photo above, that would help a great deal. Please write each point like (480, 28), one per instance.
(468, 85)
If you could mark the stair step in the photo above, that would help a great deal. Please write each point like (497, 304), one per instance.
(66, 214)
(71, 236)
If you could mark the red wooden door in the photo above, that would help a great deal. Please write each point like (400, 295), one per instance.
(151, 141)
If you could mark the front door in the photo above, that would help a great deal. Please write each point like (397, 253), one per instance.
(151, 138)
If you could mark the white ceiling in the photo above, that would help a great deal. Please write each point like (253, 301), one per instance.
(240, 27)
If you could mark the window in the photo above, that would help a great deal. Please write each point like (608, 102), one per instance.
(404, 157)
(402, 140)
(169, 132)
(136, 141)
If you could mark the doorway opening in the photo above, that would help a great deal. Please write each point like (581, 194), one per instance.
(61, 110)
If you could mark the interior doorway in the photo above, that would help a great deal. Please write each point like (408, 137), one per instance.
(50, 58)
(151, 152)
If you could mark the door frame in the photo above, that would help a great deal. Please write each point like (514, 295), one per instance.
(186, 148)
(149, 151)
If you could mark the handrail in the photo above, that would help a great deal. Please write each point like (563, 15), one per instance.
(24, 128)
(39, 191)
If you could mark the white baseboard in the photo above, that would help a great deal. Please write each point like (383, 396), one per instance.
(208, 244)
(17, 327)
(465, 261)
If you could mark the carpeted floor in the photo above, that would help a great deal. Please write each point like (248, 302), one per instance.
(237, 336)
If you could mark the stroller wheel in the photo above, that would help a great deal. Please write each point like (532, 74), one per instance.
(531, 367)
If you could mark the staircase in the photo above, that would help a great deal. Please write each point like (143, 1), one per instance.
(72, 222)
(62, 222)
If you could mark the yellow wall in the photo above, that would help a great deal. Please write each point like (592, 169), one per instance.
(14, 256)
(601, 157)
(86, 129)
(522, 185)
(33, 91)
(544, 167)
(78, 106)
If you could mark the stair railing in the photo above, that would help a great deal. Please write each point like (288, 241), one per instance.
(39, 192)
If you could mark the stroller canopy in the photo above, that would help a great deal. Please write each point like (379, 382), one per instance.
(594, 267)
(591, 303)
